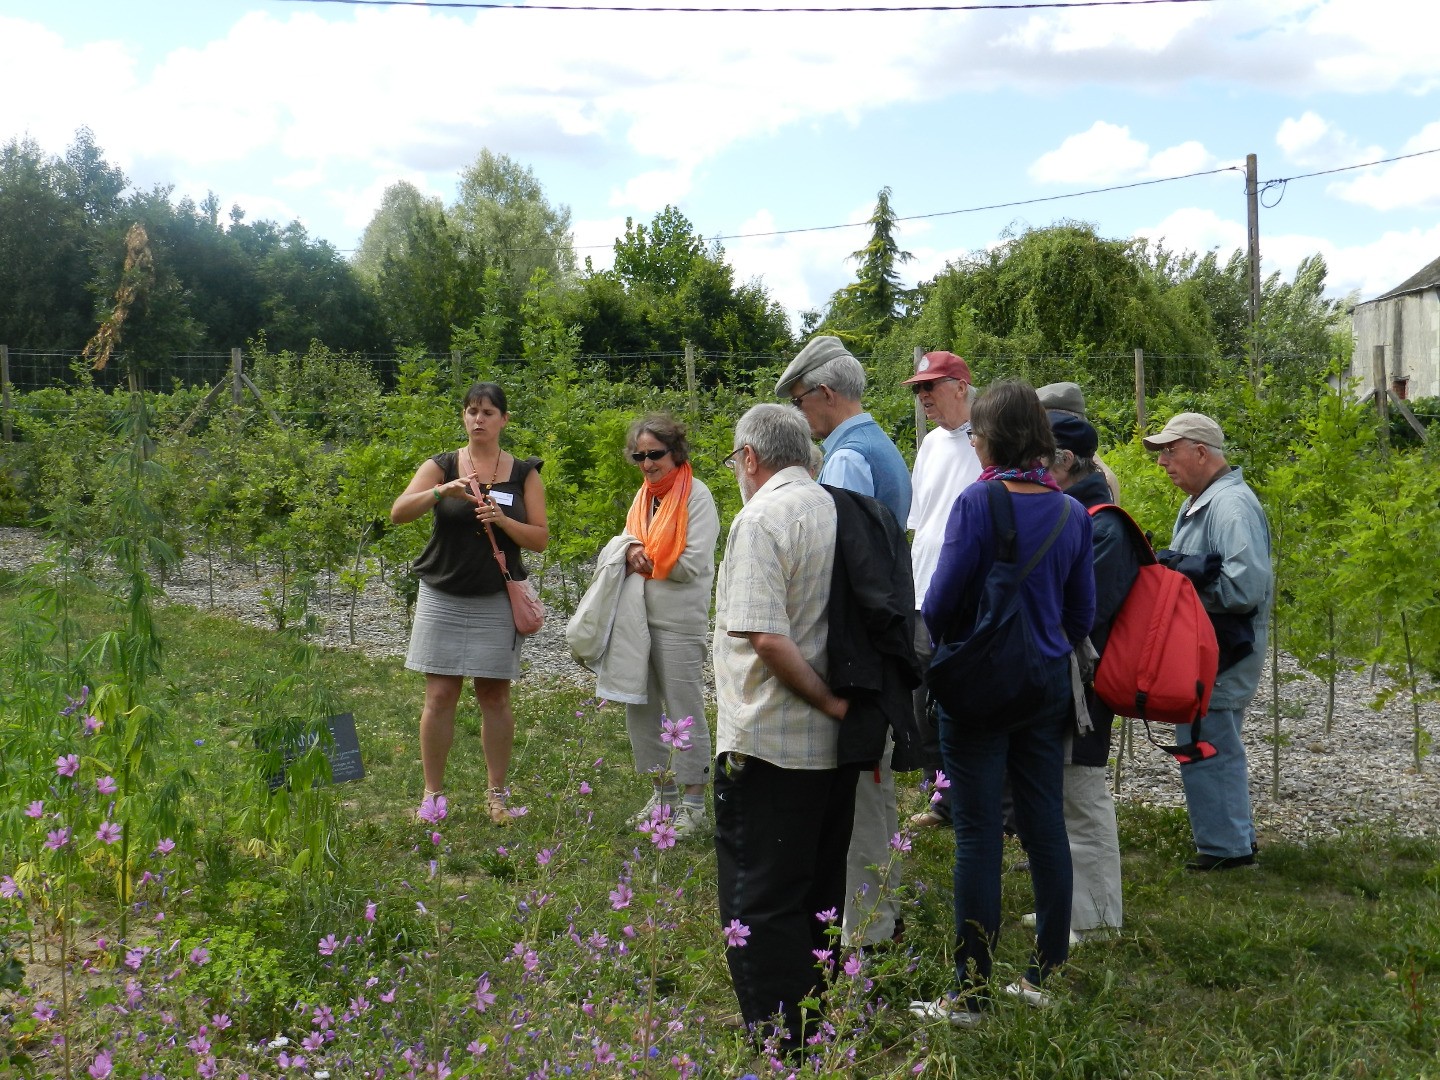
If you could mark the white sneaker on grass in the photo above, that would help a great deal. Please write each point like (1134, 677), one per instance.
(1030, 995)
(647, 812)
(948, 1009)
(690, 821)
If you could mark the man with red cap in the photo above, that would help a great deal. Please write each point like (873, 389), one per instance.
(945, 465)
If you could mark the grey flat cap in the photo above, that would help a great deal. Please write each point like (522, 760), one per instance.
(1064, 396)
(816, 352)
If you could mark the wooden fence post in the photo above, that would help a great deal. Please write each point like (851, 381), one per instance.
(5, 429)
(920, 429)
(1140, 389)
(690, 378)
(237, 386)
(1382, 395)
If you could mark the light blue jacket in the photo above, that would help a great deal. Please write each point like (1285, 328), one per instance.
(1227, 518)
(859, 456)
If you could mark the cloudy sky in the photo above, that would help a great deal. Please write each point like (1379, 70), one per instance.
(753, 123)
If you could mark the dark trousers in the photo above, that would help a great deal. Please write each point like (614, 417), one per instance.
(978, 760)
(925, 719)
(781, 836)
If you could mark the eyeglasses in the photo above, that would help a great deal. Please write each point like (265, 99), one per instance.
(1168, 450)
(798, 398)
(648, 455)
(732, 459)
(929, 384)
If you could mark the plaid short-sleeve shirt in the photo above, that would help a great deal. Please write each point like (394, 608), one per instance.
(775, 579)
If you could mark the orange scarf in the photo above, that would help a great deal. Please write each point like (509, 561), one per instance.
(662, 533)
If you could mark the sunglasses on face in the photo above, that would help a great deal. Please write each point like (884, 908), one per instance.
(648, 455)
(799, 399)
(929, 385)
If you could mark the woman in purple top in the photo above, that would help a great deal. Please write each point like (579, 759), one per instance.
(1012, 438)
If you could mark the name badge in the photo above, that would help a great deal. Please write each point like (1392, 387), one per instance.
(504, 498)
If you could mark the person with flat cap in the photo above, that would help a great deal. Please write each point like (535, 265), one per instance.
(1222, 543)
(825, 383)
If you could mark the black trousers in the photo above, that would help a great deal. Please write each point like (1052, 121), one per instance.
(781, 836)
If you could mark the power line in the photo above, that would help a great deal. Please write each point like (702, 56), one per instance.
(468, 5)
(1285, 180)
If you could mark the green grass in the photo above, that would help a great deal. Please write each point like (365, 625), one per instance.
(1324, 962)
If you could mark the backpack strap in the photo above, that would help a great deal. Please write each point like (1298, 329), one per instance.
(1002, 515)
(1144, 550)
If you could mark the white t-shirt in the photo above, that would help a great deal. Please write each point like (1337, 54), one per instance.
(945, 465)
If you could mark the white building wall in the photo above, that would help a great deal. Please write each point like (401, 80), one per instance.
(1409, 327)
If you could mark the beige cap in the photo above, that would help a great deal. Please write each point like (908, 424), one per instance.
(1187, 425)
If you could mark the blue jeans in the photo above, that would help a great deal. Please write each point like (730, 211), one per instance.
(977, 760)
(1217, 790)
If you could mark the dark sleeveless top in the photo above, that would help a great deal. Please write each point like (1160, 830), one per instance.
(458, 559)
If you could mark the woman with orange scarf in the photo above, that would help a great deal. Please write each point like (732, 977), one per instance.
(674, 522)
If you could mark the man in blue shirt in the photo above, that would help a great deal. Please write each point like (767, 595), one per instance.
(825, 383)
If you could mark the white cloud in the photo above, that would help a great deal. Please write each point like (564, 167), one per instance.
(651, 192)
(595, 239)
(1314, 142)
(1107, 153)
(1412, 184)
(1370, 268)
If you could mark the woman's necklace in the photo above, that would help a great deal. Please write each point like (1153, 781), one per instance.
(494, 473)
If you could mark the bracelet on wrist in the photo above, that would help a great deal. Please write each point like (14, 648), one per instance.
(436, 493)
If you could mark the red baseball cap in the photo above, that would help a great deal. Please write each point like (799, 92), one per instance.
(940, 365)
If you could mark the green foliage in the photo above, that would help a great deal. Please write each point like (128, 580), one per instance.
(862, 312)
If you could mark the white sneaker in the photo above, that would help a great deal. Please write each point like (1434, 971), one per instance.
(1028, 919)
(645, 813)
(1030, 995)
(690, 821)
(944, 1008)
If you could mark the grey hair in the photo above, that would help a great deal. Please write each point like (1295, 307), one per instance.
(843, 374)
(817, 459)
(1080, 467)
(778, 435)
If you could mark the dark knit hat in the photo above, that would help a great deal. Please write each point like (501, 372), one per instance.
(1073, 434)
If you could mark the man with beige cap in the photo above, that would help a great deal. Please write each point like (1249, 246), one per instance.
(1222, 543)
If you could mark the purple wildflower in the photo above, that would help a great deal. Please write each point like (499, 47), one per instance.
(484, 998)
(900, 842)
(620, 896)
(735, 934)
(67, 765)
(328, 945)
(165, 846)
(108, 833)
(101, 1067)
(9, 890)
(106, 785)
(199, 956)
(57, 838)
(433, 810)
(35, 810)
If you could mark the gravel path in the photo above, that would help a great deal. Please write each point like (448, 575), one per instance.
(1360, 773)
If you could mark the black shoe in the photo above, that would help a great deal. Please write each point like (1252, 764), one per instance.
(1203, 863)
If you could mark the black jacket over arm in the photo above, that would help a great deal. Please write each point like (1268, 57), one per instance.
(871, 644)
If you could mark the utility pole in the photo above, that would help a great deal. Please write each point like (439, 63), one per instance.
(1252, 230)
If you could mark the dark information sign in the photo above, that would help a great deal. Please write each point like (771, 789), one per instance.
(344, 755)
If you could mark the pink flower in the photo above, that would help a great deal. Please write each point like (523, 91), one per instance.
(91, 724)
(35, 810)
(942, 782)
(44, 1011)
(663, 835)
(823, 956)
(57, 838)
(544, 855)
(221, 1021)
(328, 945)
(585, 788)
(620, 896)
(433, 810)
(853, 964)
(135, 957)
(9, 890)
(106, 785)
(199, 1045)
(484, 998)
(164, 847)
(370, 911)
(676, 733)
(108, 833)
(207, 1069)
(900, 842)
(199, 956)
(827, 916)
(67, 765)
(101, 1067)
(735, 934)
(477, 1048)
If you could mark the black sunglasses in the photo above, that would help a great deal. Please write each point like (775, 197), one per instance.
(929, 384)
(648, 455)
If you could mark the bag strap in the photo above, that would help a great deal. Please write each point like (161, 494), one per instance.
(1002, 516)
(494, 547)
(1049, 540)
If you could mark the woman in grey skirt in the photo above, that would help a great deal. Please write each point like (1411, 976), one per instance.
(463, 625)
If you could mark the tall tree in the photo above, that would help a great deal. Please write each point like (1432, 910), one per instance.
(866, 309)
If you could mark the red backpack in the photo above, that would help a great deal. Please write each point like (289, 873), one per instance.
(1161, 658)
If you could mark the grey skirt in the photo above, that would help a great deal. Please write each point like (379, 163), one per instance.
(471, 636)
